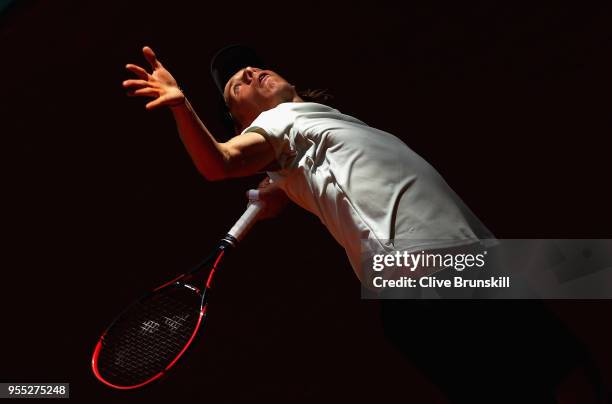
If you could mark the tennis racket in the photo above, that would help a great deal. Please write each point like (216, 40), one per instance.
(148, 338)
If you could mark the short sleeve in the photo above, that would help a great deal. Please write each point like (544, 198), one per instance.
(275, 125)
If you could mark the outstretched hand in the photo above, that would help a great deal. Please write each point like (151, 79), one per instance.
(159, 84)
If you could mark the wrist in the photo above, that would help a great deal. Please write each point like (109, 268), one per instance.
(179, 102)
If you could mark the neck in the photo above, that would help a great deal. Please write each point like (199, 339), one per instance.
(296, 98)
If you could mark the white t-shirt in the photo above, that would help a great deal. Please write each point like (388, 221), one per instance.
(364, 184)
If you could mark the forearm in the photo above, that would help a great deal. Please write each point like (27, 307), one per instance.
(208, 155)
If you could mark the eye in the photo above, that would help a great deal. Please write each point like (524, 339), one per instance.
(236, 89)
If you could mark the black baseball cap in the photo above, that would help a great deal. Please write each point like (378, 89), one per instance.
(229, 60)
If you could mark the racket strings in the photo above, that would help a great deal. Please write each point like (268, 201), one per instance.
(149, 336)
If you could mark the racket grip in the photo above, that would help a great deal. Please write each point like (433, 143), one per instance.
(249, 217)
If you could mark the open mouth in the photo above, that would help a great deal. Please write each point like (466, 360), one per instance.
(262, 77)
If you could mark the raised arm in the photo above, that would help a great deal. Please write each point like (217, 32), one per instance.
(242, 155)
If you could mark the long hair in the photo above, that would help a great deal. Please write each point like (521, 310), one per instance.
(321, 96)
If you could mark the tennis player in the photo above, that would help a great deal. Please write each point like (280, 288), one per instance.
(367, 185)
(364, 184)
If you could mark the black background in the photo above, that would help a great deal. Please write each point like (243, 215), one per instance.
(101, 201)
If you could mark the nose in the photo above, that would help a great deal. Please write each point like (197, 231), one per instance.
(248, 74)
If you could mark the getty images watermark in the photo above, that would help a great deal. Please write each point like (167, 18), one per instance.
(432, 262)
(487, 269)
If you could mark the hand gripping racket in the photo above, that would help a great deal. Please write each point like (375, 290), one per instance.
(153, 333)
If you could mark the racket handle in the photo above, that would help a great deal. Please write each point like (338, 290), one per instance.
(249, 217)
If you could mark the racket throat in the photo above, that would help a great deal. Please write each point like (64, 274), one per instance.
(224, 247)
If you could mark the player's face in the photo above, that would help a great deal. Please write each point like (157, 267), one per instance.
(251, 91)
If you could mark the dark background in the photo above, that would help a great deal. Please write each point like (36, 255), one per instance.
(101, 201)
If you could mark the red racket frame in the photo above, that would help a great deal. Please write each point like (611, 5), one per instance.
(94, 361)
